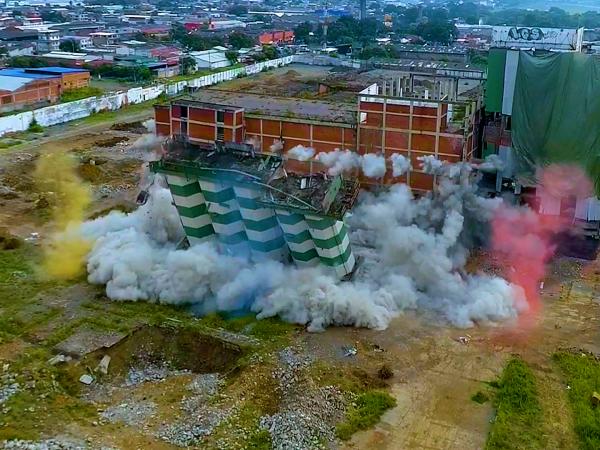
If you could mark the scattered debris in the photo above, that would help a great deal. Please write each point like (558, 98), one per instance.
(103, 365)
(48, 444)
(463, 339)
(349, 351)
(151, 372)
(130, 413)
(207, 384)
(307, 414)
(190, 430)
(86, 379)
(60, 358)
(33, 236)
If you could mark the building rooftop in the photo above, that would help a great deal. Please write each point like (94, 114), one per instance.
(24, 73)
(12, 83)
(280, 106)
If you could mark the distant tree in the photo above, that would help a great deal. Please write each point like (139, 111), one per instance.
(17, 13)
(70, 45)
(270, 52)
(238, 10)
(52, 16)
(302, 31)
(193, 41)
(25, 61)
(263, 18)
(187, 64)
(238, 40)
(232, 56)
(442, 32)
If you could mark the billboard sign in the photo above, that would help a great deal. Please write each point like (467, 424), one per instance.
(558, 39)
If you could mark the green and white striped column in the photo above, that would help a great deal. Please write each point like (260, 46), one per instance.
(192, 208)
(264, 233)
(298, 238)
(224, 211)
(332, 243)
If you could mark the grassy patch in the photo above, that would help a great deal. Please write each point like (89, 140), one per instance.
(71, 95)
(582, 374)
(519, 415)
(35, 127)
(48, 393)
(201, 73)
(105, 116)
(364, 413)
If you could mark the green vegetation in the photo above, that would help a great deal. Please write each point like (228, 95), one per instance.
(136, 73)
(201, 73)
(480, 397)
(114, 115)
(35, 127)
(77, 94)
(518, 15)
(238, 40)
(70, 45)
(364, 413)
(193, 41)
(582, 374)
(519, 415)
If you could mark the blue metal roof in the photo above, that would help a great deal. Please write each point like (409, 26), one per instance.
(22, 74)
(55, 69)
(39, 73)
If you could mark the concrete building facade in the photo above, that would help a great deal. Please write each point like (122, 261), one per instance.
(389, 117)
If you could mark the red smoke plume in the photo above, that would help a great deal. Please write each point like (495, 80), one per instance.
(524, 238)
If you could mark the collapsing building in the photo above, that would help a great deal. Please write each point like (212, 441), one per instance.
(408, 114)
(254, 207)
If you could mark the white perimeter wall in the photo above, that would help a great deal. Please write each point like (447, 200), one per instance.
(65, 112)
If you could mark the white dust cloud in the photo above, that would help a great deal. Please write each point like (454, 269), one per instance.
(400, 165)
(412, 253)
(373, 165)
(301, 153)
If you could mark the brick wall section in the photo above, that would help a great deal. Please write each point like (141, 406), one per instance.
(33, 93)
(75, 80)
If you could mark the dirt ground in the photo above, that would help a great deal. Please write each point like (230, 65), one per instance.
(435, 372)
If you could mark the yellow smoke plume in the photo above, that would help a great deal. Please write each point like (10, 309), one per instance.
(65, 250)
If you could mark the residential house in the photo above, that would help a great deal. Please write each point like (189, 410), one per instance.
(48, 41)
(104, 38)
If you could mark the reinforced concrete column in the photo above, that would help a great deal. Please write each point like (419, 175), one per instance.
(192, 208)
(298, 238)
(227, 221)
(265, 236)
(332, 243)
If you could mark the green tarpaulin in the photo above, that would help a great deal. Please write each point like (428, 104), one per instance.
(556, 111)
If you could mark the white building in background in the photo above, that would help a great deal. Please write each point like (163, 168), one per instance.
(48, 41)
(210, 59)
(216, 25)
